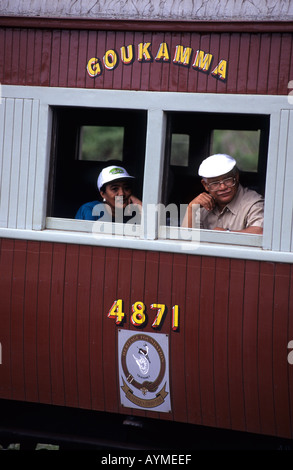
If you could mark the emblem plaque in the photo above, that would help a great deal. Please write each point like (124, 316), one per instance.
(144, 370)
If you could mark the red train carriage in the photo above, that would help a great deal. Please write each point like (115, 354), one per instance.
(82, 309)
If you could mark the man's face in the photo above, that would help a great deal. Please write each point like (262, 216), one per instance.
(222, 188)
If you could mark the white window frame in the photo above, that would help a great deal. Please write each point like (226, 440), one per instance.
(272, 245)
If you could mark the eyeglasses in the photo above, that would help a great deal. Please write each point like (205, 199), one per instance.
(228, 182)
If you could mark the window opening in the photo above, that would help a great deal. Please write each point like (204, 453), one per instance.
(243, 145)
(179, 149)
(84, 141)
(101, 143)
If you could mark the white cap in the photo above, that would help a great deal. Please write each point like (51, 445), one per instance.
(111, 173)
(216, 165)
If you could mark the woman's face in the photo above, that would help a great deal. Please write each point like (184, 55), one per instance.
(117, 194)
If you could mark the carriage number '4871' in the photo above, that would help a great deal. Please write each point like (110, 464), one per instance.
(139, 318)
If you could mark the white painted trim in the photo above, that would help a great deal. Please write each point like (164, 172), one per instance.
(166, 101)
(172, 246)
(156, 104)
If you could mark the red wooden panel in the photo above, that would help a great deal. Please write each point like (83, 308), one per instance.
(206, 346)
(110, 360)
(257, 63)
(274, 69)
(263, 64)
(235, 344)
(155, 67)
(221, 317)
(125, 279)
(174, 69)
(233, 61)
(138, 283)
(285, 59)
(164, 291)
(184, 70)
(96, 319)
(253, 61)
(8, 51)
(56, 324)
(38, 64)
(72, 58)
(191, 328)
(30, 58)
(127, 69)
(91, 52)
(82, 326)
(6, 273)
(137, 67)
(265, 348)
(64, 58)
(214, 49)
(148, 295)
(177, 340)
(242, 64)
(2, 54)
(167, 67)
(46, 58)
(250, 335)
(224, 54)
(280, 337)
(43, 323)
(117, 72)
(22, 57)
(81, 59)
(55, 59)
(30, 321)
(17, 320)
(69, 325)
(202, 77)
(108, 74)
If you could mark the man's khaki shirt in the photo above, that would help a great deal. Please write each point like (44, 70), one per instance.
(245, 210)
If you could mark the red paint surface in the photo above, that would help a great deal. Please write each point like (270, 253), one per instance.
(228, 360)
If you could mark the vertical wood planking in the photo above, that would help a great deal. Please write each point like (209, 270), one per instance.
(43, 323)
(178, 348)
(280, 365)
(257, 62)
(191, 327)
(30, 321)
(221, 318)
(206, 340)
(96, 320)
(110, 360)
(6, 276)
(82, 326)
(56, 324)
(250, 350)
(265, 348)
(69, 325)
(235, 345)
(228, 360)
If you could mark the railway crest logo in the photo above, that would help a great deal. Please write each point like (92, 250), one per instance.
(143, 370)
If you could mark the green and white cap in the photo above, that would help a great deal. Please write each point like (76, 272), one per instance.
(111, 173)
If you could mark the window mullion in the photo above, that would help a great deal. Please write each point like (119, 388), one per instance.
(153, 173)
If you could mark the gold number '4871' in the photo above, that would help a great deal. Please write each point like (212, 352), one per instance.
(138, 317)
